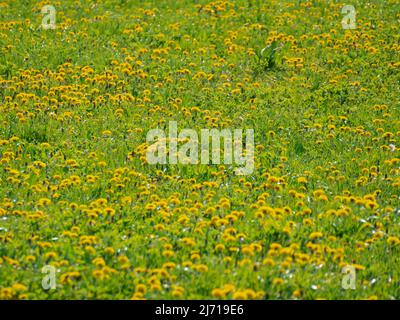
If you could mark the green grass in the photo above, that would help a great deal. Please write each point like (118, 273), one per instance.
(324, 106)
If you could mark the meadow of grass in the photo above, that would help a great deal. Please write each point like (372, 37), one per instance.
(77, 193)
